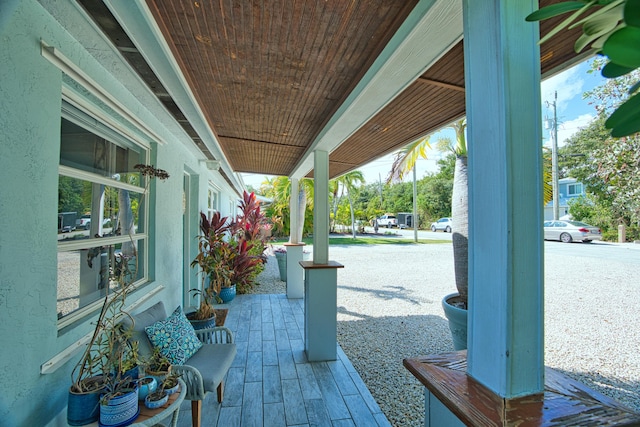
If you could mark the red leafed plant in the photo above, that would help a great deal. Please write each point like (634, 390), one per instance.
(231, 252)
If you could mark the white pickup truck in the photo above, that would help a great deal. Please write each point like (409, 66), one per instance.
(387, 220)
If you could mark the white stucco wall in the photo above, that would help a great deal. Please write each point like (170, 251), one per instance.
(30, 103)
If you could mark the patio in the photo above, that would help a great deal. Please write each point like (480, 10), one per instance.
(272, 384)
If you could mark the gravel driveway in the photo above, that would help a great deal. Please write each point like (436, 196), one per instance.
(389, 309)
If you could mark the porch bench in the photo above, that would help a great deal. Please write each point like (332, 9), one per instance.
(204, 371)
(564, 402)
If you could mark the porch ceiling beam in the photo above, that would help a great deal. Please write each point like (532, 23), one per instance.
(441, 84)
(431, 29)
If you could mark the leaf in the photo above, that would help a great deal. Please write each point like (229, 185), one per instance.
(622, 47)
(629, 127)
(613, 70)
(567, 22)
(632, 13)
(613, 10)
(554, 10)
(630, 108)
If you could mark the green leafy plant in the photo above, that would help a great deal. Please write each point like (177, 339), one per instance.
(612, 28)
(229, 252)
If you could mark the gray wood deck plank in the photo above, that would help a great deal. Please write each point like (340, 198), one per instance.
(255, 340)
(308, 383)
(229, 416)
(294, 407)
(252, 414)
(287, 365)
(330, 392)
(271, 384)
(359, 410)
(253, 371)
(274, 415)
(342, 378)
(317, 413)
(234, 387)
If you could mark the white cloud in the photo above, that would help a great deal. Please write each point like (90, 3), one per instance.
(567, 129)
(569, 84)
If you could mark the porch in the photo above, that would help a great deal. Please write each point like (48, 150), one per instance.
(271, 383)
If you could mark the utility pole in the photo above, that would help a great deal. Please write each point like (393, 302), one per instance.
(552, 125)
(415, 203)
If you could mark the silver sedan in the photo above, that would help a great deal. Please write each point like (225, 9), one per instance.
(568, 231)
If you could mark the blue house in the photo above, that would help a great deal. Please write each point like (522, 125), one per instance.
(568, 188)
(206, 90)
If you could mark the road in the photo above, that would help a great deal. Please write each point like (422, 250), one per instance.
(628, 253)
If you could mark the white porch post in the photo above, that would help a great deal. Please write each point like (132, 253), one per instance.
(295, 273)
(502, 72)
(321, 275)
(320, 207)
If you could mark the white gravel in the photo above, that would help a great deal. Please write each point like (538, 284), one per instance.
(389, 309)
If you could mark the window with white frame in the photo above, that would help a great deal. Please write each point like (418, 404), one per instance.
(213, 199)
(102, 214)
(574, 189)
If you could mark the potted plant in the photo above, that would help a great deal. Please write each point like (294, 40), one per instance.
(119, 406)
(230, 254)
(146, 385)
(161, 395)
(281, 258)
(157, 365)
(215, 261)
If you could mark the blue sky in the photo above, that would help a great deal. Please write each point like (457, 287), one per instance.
(572, 111)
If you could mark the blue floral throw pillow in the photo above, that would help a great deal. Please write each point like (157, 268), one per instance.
(175, 337)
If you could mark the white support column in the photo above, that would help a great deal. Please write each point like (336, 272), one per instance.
(502, 72)
(294, 204)
(320, 207)
(295, 273)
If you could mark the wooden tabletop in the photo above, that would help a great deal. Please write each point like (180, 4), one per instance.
(564, 401)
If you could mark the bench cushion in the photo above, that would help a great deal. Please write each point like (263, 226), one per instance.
(139, 322)
(213, 361)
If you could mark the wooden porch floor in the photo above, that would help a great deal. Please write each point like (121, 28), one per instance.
(271, 383)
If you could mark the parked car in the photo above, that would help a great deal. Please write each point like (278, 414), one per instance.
(387, 220)
(442, 224)
(84, 222)
(568, 231)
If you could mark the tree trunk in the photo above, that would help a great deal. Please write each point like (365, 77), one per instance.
(302, 208)
(353, 219)
(460, 237)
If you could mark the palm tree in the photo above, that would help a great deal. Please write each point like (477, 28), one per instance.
(406, 158)
(279, 189)
(405, 161)
(460, 213)
(347, 182)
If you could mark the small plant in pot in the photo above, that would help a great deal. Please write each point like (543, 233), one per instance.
(157, 365)
(161, 395)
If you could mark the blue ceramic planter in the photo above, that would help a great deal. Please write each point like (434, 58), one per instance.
(83, 408)
(228, 294)
(146, 385)
(153, 404)
(120, 410)
(457, 323)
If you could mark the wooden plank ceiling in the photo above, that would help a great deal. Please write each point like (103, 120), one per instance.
(269, 75)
